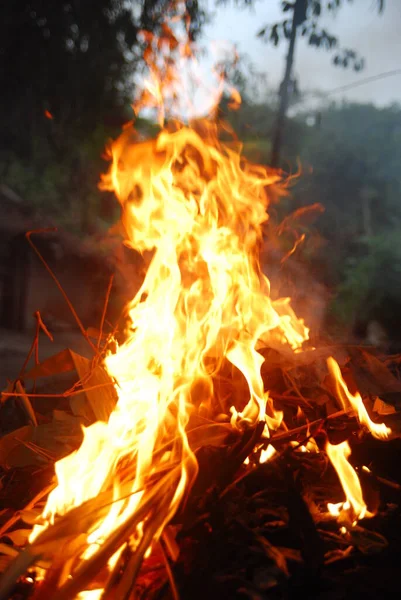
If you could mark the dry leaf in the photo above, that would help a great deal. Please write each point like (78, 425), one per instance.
(382, 408)
(80, 407)
(19, 537)
(62, 362)
(37, 445)
(25, 403)
(95, 404)
(372, 377)
(12, 451)
(30, 515)
(103, 397)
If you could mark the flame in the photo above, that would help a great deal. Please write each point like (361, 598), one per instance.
(354, 507)
(267, 454)
(378, 430)
(197, 207)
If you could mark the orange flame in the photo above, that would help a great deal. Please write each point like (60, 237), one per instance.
(198, 206)
(378, 430)
(354, 507)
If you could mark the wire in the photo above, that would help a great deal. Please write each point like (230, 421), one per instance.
(349, 86)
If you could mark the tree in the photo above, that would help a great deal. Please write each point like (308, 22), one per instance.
(305, 17)
(66, 73)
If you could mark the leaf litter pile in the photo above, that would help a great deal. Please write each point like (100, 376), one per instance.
(252, 527)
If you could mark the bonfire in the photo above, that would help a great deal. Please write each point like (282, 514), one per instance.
(216, 415)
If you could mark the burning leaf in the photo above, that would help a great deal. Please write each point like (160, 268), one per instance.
(19, 537)
(382, 408)
(98, 386)
(62, 362)
(100, 397)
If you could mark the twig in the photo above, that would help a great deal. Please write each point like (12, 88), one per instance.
(35, 344)
(106, 302)
(287, 435)
(30, 505)
(58, 284)
(169, 572)
(63, 395)
(26, 404)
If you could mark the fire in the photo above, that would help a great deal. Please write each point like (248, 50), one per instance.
(354, 507)
(378, 430)
(198, 207)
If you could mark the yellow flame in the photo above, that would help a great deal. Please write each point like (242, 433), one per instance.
(354, 507)
(267, 454)
(378, 430)
(198, 206)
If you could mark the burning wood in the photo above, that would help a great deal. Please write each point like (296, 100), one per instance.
(216, 383)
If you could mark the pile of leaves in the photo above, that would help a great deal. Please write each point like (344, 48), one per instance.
(247, 529)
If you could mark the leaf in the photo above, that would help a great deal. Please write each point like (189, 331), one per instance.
(367, 541)
(372, 376)
(25, 403)
(382, 408)
(103, 397)
(12, 452)
(19, 537)
(210, 435)
(80, 407)
(30, 515)
(97, 403)
(37, 445)
(287, 6)
(62, 362)
(274, 35)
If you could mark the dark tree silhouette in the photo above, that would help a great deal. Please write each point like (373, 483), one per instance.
(69, 59)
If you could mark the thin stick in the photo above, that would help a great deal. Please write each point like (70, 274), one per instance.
(63, 395)
(106, 303)
(287, 435)
(33, 348)
(58, 284)
(169, 572)
(30, 505)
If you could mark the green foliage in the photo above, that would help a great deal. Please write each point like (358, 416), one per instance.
(66, 73)
(350, 163)
(371, 282)
(306, 14)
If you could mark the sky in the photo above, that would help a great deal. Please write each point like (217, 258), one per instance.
(358, 26)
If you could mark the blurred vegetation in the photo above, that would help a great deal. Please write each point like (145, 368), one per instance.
(66, 73)
(350, 157)
(66, 78)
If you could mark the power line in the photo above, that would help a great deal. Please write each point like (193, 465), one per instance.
(349, 86)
